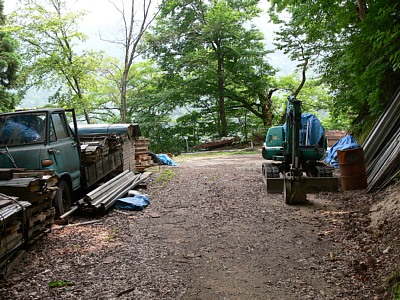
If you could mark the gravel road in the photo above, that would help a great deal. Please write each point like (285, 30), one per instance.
(211, 232)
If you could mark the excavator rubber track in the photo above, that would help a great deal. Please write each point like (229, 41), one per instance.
(272, 178)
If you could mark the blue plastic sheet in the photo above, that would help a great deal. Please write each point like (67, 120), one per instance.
(310, 124)
(167, 160)
(346, 142)
(137, 202)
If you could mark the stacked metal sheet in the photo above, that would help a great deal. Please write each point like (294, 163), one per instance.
(382, 147)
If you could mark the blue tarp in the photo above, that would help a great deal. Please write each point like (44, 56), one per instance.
(167, 160)
(346, 142)
(20, 132)
(137, 202)
(315, 129)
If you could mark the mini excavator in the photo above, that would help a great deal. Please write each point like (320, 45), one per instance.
(294, 151)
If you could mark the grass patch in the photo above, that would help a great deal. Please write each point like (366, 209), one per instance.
(165, 175)
(59, 283)
(394, 285)
(187, 156)
(112, 234)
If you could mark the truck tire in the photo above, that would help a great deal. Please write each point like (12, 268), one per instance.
(62, 200)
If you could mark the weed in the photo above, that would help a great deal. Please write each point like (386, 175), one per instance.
(394, 285)
(166, 175)
(112, 234)
(216, 153)
(59, 283)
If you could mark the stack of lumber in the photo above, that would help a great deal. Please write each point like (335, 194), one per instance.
(26, 211)
(382, 147)
(12, 236)
(93, 147)
(126, 133)
(36, 187)
(128, 152)
(227, 141)
(142, 158)
(12, 221)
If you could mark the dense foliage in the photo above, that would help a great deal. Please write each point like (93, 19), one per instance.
(213, 58)
(10, 62)
(207, 73)
(355, 47)
(48, 34)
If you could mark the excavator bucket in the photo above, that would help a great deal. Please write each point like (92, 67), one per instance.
(294, 191)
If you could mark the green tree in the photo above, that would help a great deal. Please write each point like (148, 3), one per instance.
(355, 44)
(49, 37)
(136, 19)
(10, 62)
(214, 54)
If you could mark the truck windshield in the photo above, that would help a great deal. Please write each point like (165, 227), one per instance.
(20, 129)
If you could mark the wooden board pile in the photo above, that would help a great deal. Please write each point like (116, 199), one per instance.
(93, 147)
(128, 152)
(227, 141)
(101, 155)
(26, 210)
(142, 158)
(12, 221)
(382, 147)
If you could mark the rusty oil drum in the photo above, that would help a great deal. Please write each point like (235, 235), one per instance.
(352, 169)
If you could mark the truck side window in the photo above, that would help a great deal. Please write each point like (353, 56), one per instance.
(59, 127)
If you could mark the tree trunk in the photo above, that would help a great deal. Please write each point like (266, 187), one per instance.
(266, 107)
(123, 96)
(221, 99)
(361, 9)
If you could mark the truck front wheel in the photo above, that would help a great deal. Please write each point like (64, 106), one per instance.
(62, 200)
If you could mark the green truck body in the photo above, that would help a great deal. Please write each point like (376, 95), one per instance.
(43, 140)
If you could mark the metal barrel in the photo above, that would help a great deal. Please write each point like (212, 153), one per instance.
(352, 169)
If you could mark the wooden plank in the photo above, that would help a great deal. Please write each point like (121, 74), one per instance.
(141, 150)
(7, 239)
(28, 174)
(12, 262)
(34, 209)
(6, 174)
(11, 246)
(5, 202)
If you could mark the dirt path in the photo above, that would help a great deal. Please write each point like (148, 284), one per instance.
(211, 232)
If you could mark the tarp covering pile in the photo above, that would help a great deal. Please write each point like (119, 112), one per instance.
(166, 160)
(311, 130)
(137, 202)
(346, 142)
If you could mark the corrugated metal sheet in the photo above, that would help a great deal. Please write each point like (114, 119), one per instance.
(382, 147)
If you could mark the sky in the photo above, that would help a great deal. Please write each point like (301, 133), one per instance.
(102, 18)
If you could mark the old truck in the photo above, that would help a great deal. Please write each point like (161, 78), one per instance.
(48, 139)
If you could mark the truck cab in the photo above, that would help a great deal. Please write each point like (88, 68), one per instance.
(40, 140)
